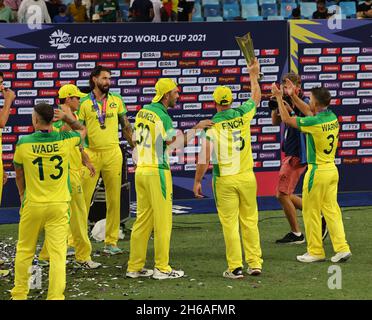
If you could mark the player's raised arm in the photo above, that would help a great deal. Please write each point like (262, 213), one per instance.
(201, 125)
(254, 70)
(73, 123)
(286, 118)
(292, 91)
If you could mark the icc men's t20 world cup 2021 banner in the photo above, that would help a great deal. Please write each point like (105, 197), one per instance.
(198, 56)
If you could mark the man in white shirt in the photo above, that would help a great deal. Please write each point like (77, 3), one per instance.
(33, 12)
(157, 4)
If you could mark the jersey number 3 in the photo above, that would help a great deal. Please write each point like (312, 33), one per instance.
(331, 137)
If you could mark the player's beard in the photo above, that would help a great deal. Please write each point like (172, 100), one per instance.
(104, 89)
(172, 103)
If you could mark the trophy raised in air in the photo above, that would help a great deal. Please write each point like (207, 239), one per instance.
(246, 46)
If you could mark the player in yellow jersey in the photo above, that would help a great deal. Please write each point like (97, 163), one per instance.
(41, 163)
(69, 97)
(154, 132)
(234, 182)
(101, 112)
(9, 97)
(319, 192)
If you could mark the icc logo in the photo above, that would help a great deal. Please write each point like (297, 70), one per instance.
(60, 39)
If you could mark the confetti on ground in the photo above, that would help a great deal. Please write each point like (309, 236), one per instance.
(4, 273)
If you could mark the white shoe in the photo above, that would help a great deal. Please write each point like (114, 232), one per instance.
(307, 258)
(236, 274)
(145, 273)
(341, 257)
(174, 274)
(254, 271)
(89, 264)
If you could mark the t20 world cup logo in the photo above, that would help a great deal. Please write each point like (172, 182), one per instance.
(60, 39)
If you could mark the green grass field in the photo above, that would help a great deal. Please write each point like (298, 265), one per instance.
(198, 248)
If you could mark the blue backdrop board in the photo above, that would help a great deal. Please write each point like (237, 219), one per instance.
(340, 59)
(198, 56)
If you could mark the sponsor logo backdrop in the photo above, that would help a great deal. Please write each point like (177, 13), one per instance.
(341, 60)
(198, 56)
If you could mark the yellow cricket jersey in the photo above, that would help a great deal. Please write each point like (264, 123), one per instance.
(45, 158)
(153, 128)
(77, 13)
(75, 161)
(231, 140)
(321, 137)
(97, 138)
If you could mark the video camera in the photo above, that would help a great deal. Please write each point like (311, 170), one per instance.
(273, 104)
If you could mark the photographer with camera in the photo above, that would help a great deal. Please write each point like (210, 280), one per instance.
(294, 163)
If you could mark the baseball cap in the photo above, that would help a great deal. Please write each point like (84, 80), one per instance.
(162, 87)
(223, 95)
(70, 90)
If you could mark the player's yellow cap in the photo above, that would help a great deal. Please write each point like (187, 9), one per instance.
(70, 90)
(223, 95)
(162, 87)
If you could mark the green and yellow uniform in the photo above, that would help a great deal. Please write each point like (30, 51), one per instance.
(78, 235)
(44, 157)
(320, 183)
(153, 128)
(102, 147)
(234, 183)
(111, 6)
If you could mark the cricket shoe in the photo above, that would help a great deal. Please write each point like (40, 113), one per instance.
(236, 274)
(173, 274)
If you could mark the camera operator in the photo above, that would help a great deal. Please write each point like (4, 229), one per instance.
(294, 162)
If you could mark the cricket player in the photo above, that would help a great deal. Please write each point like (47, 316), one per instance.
(9, 97)
(69, 97)
(294, 162)
(154, 132)
(234, 182)
(41, 163)
(101, 112)
(319, 192)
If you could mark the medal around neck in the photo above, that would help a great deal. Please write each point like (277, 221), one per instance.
(102, 126)
(246, 46)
